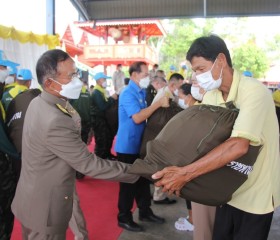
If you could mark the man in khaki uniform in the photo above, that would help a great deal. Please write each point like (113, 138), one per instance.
(52, 151)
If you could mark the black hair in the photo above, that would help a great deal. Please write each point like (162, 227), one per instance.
(47, 64)
(186, 88)
(156, 65)
(126, 81)
(119, 65)
(176, 77)
(136, 67)
(209, 48)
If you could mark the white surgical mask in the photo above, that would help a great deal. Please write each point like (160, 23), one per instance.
(72, 89)
(176, 92)
(206, 80)
(144, 82)
(196, 94)
(104, 84)
(9, 80)
(182, 104)
(3, 75)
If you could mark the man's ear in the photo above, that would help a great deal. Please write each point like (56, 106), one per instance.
(222, 59)
(48, 84)
(133, 75)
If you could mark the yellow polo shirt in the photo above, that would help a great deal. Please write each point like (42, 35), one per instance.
(256, 122)
(276, 98)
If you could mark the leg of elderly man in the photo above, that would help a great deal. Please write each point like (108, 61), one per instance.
(77, 222)
(203, 221)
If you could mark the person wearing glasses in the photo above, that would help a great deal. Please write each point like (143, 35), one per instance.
(52, 152)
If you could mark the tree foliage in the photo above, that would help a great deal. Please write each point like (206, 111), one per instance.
(183, 32)
(273, 47)
(240, 40)
(250, 57)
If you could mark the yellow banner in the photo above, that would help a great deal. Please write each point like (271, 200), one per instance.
(10, 32)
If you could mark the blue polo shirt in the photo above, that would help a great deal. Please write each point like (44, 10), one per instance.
(129, 136)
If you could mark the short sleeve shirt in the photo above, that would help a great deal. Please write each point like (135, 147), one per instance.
(256, 122)
(129, 136)
(276, 97)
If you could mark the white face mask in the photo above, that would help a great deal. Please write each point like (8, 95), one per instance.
(182, 104)
(9, 80)
(72, 89)
(104, 84)
(206, 80)
(196, 94)
(176, 92)
(144, 82)
(3, 75)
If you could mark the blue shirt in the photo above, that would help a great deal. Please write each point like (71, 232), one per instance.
(129, 136)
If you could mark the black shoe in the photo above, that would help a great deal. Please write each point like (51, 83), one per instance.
(130, 226)
(151, 217)
(165, 201)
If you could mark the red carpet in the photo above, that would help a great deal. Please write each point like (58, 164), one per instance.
(99, 204)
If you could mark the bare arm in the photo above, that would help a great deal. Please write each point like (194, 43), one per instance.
(174, 178)
(147, 112)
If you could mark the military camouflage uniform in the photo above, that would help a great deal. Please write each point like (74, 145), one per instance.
(83, 107)
(7, 183)
(102, 131)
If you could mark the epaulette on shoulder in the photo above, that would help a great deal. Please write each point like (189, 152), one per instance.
(62, 109)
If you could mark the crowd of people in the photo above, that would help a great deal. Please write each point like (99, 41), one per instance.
(45, 133)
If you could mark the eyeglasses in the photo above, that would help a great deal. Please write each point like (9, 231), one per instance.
(76, 74)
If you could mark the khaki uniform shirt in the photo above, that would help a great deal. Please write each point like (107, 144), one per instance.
(52, 152)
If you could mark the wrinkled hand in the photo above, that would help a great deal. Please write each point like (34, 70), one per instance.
(172, 179)
(164, 101)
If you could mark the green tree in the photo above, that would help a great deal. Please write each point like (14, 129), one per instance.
(273, 48)
(249, 57)
(182, 32)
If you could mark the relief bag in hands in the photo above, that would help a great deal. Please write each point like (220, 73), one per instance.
(187, 137)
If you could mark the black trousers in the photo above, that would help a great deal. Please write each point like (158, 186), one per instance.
(103, 138)
(278, 115)
(140, 191)
(7, 192)
(234, 224)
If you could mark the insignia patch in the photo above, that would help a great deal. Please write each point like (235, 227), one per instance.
(62, 109)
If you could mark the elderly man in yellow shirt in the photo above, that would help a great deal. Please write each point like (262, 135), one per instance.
(249, 213)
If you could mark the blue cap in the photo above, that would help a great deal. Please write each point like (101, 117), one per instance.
(184, 67)
(248, 74)
(13, 70)
(100, 75)
(172, 67)
(24, 75)
(5, 62)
